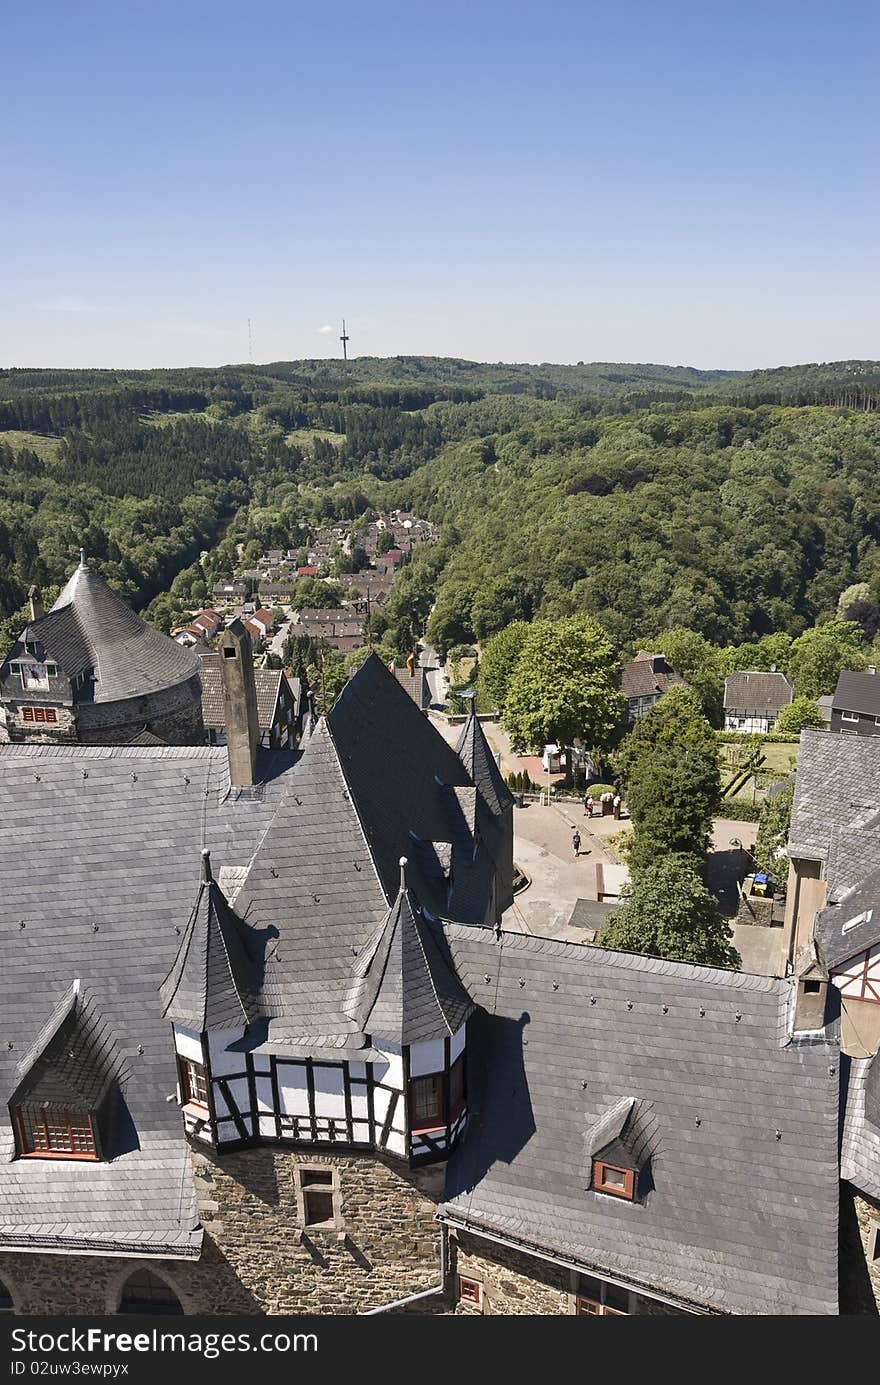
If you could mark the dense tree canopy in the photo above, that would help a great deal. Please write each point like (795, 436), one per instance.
(673, 796)
(564, 686)
(668, 912)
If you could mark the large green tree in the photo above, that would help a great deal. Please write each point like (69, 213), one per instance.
(667, 911)
(773, 828)
(676, 720)
(565, 685)
(798, 714)
(692, 656)
(672, 797)
(498, 661)
(818, 655)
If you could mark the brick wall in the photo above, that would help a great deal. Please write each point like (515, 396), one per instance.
(253, 1258)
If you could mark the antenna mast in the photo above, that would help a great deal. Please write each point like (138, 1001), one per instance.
(250, 343)
(344, 339)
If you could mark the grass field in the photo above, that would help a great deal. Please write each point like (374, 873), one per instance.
(161, 419)
(780, 760)
(43, 444)
(302, 437)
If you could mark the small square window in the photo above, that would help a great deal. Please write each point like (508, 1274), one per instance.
(812, 987)
(15, 668)
(608, 1178)
(470, 1291)
(318, 1207)
(52, 670)
(319, 1198)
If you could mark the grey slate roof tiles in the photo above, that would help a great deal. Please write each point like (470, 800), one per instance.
(836, 794)
(212, 982)
(73, 1061)
(860, 1146)
(268, 687)
(91, 627)
(736, 1219)
(403, 988)
(99, 857)
(473, 750)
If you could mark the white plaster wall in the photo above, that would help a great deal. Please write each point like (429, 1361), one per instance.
(329, 1092)
(221, 1061)
(425, 1058)
(188, 1044)
(293, 1089)
(456, 1044)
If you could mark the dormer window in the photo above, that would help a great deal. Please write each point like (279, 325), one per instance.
(46, 1132)
(607, 1178)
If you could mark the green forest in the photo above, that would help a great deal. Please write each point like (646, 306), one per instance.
(734, 506)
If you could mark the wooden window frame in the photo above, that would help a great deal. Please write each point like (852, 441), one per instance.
(189, 1097)
(474, 1292)
(40, 716)
(423, 1125)
(600, 1186)
(48, 1153)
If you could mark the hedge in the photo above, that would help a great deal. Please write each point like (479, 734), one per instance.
(739, 812)
(595, 790)
(758, 737)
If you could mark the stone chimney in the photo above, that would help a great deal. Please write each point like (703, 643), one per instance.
(811, 994)
(36, 599)
(240, 703)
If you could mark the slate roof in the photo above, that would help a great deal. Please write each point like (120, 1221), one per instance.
(850, 924)
(91, 627)
(836, 798)
(211, 984)
(99, 862)
(73, 1060)
(268, 686)
(403, 989)
(371, 785)
(857, 692)
(734, 1219)
(415, 685)
(638, 678)
(860, 1147)
(756, 691)
(473, 750)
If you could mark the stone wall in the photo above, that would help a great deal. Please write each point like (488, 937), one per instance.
(256, 1256)
(859, 1273)
(514, 1282)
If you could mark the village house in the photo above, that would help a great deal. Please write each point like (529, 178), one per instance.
(644, 680)
(280, 703)
(855, 706)
(753, 700)
(203, 627)
(231, 590)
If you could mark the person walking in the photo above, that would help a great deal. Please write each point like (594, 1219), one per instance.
(588, 806)
(576, 842)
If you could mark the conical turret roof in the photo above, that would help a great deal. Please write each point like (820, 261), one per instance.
(473, 751)
(403, 987)
(91, 627)
(210, 985)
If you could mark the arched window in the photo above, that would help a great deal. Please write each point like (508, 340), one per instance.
(147, 1292)
(6, 1304)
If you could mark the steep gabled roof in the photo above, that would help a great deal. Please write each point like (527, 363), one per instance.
(73, 1060)
(624, 1134)
(837, 802)
(211, 983)
(90, 627)
(267, 682)
(850, 925)
(403, 988)
(473, 751)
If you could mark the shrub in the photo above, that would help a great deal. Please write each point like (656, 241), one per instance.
(595, 790)
(736, 811)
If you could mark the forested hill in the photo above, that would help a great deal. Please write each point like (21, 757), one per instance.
(648, 495)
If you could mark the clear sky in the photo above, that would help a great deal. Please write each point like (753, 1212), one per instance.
(647, 180)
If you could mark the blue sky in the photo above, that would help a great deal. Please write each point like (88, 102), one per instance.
(680, 182)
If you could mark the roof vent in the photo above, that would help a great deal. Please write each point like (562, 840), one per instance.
(864, 917)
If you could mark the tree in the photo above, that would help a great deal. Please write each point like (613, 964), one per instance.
(312, 592)
(672, 797)
(818, 655)
(565, 684)
(798, 714)
(773, 828)
(696, 660)
(859, 603)
(384, 542)
(499, 659)
(677, 719)
(667, 911)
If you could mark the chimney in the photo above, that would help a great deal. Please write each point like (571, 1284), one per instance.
(811, 993)
(872, 668)
(772, 668)
(36, 599)
(240, 704)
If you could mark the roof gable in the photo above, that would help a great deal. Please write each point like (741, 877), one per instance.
(473, 751)
(211, 982)
(73, 1060)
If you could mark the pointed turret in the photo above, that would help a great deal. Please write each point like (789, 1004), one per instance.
(403, 987)
(210, 985)
(73, 1061)
(474, 752)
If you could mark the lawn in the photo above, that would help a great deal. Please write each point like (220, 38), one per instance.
(302, 437)
(43, 444)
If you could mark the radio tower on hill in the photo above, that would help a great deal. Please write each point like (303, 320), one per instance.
(344, 339)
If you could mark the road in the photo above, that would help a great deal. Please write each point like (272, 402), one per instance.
(438, 683)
